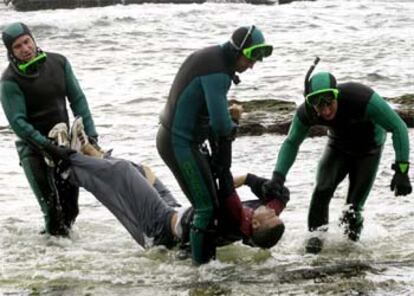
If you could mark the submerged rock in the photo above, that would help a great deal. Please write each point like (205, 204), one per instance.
(275, 116)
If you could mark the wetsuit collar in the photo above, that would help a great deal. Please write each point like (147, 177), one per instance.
(32, 71)
(231, 56)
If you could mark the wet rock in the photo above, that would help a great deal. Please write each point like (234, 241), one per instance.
(404, 105)
(29, 5)
(275, 116)
(290, 1)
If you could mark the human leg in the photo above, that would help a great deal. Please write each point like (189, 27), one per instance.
(121, 188)
(68, 196)
(363, 170)
(41, 181)
(193, 174)
(332, 169)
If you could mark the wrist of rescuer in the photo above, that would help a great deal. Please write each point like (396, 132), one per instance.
(401, 167)
(256, 184)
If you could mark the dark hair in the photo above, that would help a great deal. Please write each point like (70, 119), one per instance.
(267, 238)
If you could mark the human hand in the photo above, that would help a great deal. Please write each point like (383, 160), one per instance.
(236, 111)
(400, 182)
(239, 181)
(60, 155)
(273, 187)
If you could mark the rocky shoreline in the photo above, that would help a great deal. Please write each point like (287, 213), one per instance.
(275, 116)
(31, 5)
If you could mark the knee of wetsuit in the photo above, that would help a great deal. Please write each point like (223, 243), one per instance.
(323, 192)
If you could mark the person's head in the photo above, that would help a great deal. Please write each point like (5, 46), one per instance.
(23, 53)
(19, 42)
(249, 43)
(322, 95)
(267, 227)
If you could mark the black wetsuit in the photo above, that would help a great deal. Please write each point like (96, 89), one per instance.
(356, 138)
(33, 104)
(197, 109)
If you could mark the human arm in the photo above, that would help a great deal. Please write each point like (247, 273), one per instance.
(381, 114)
(288, 151)
(215, 88)
(276, 202)
(286, 157)
(77, 101)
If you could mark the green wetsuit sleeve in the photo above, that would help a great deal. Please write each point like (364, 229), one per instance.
(381, 113)
(14, 106)
(215, 87)
(290, 147)
(77, 100)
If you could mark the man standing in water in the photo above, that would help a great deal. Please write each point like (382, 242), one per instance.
(357, 119)
(197, 110)
(33, 92)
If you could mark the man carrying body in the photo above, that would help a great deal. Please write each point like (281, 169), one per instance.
(196, 111)
(33, 92)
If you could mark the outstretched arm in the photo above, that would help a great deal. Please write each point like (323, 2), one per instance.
(290, 147)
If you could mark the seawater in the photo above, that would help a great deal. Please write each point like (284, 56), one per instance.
(125, 58)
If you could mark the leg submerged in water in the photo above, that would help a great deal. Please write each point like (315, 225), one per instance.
(353, 222)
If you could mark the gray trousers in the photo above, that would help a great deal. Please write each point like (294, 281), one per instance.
(121, 187)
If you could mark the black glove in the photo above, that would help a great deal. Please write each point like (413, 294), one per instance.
(225, 185)
(256, 184)
(400, 182)
(59, 155)
(220, 166)
(221, 154)
(274, 187)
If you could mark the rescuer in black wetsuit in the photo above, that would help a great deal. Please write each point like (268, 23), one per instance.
(197, 110)
(33, 91)
(358, 120)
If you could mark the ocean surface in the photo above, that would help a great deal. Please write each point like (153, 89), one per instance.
(125, 58)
